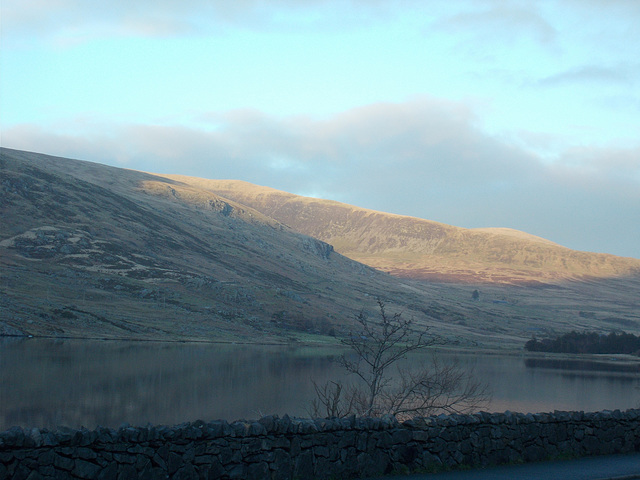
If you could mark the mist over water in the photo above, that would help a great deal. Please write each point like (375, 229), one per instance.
(46, 383)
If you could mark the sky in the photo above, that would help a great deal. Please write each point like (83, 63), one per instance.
(481, 113)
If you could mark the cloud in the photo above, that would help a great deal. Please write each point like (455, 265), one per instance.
(627, 8)
(425, 157)
(74, 21)
(622, 104)
(61, 19)
(499, 23)
(623, 74)
(610, 169)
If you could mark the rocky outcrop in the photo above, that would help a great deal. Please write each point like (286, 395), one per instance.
(287, 448)
(317, 248)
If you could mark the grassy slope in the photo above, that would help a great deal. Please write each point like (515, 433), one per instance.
(93, 251)
(416, 248)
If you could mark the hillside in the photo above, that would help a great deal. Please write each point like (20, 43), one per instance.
(422, 249)
(92, 251)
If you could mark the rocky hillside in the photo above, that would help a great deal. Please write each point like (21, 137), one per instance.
(88, 250)
(91, 250)
(422, 249)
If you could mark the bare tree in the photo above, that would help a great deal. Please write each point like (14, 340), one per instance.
(376, 349)
(331, 402)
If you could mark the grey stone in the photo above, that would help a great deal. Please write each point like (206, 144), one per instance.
(218, 428)
(187, 472)
(6, 456)
(174, 462)
(373, 465)
(281, 463)
(303, 466)
(283, 424)
(321, 451)
(152, 473)
(34, 475)
(203, 459)
(593, 446)
(258, 471)
(216, 470)
(63, 463)
(401, 436)
(256, 428)
(189, 454)
(87, 437)
(124, 458)
(268, 422)
(237, 471)
(253, 445)
(18, 471)
(348, 439)
(406, 454)
(296, 446)
(431, 461)
(159, 461)
(534, 454)
(49, 439)
(86, 453)
(67, 435)
(46, 471)
(239, 429)
(109, 472)
(46, 457)
(127, 472)
(142, 463)
(85, 469)
(35, 437)
(14, 437)
(136, 449)
(280, 442)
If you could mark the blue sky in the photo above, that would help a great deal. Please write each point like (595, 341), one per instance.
(520, 114)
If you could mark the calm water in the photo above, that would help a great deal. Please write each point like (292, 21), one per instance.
(47, 383)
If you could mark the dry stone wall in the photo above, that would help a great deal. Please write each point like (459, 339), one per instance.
(293, 448)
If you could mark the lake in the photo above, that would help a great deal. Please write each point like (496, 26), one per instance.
(46, 383)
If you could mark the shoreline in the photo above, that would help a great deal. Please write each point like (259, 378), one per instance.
(485, 351)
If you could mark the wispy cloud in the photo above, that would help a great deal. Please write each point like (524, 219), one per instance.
(69, 21)
(502, 22)
(72, 21)
(623, 74)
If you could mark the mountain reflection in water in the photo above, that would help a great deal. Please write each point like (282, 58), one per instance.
(46, 383)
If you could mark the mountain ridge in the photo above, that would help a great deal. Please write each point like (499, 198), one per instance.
(423, 249)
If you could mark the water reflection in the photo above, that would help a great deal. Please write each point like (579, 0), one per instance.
(582, 365)
(47, 383)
